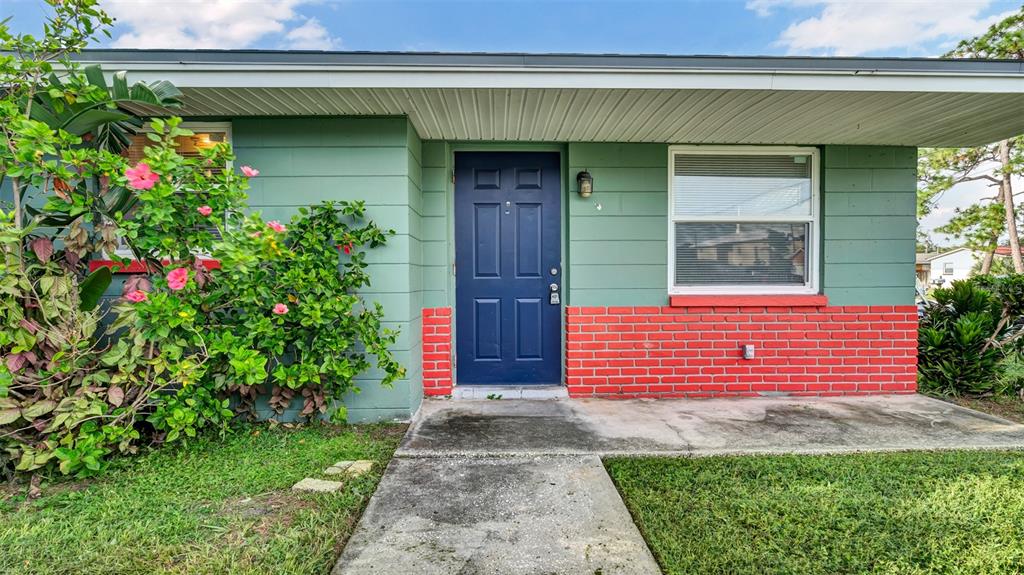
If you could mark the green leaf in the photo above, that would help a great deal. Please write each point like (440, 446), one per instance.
(38, 408)
(94, 73)
(9, 416)
(89, 120)
(119, 89)
(92, 289)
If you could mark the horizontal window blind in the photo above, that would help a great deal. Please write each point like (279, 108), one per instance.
(743, 165)
(741, 253)
(741, 185)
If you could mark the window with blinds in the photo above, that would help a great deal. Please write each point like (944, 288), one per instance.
(743, 220)
(205, 135)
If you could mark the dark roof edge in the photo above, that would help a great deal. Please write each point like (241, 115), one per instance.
(523, 60)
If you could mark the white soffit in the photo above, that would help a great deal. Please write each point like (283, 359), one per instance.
(922, 105)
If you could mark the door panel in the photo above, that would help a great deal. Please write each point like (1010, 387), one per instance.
(529, 240)
(507, 241)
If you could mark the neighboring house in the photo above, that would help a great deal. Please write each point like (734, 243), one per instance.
(624, 226)
(1004, 251)
(943, 268)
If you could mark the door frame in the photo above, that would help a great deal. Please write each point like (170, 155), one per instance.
(563, 219)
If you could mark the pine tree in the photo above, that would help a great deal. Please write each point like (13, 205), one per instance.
(980, 225)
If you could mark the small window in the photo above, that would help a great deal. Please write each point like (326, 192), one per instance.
(743, 220)
(947, 269)
(205, 135)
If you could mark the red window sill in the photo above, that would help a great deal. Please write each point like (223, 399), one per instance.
(137, 267)
(747, 300)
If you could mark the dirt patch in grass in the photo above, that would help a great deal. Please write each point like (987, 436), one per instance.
(15, 494)
(1006, 406)
(264, 513)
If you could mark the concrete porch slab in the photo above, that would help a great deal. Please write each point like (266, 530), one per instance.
(527, 515)
(701, 427)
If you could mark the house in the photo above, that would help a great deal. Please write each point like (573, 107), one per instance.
(623, 226)
(943, 268)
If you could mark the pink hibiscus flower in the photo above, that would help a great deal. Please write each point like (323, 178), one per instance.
(177, 278)
(136, 296)
(250, 172)
(204, 210)
(276, 226)
(348, 248)
(141, 177)
(280, 309)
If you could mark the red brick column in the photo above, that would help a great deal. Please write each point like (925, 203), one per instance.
(698, 351)
(437, 351)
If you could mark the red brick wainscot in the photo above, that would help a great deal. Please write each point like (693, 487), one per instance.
(437, 351)
(694, 348)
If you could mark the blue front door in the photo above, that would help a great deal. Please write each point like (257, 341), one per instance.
(507, 256)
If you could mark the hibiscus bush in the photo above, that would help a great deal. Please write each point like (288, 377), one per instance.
(279, 315)
(290, 319)
(186, 345)
(61, 403)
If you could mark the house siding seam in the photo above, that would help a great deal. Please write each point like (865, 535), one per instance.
(622, 352)
(437, 351)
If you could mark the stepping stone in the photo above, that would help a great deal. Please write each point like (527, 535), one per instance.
(359, 467)
(350, 468)
(338, 468)
(317, 485)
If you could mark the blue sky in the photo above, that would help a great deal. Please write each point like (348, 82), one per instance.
(803, 27)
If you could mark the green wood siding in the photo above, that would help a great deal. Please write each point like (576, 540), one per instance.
(618, 254)
(436, 214)
(869, 224)
(306, 160)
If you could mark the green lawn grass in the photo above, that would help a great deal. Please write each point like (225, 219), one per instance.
(216, 506)
(899, 513)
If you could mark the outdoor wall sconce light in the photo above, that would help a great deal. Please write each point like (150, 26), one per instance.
(586, 184)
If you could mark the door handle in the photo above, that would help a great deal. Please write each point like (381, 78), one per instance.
(553, 296)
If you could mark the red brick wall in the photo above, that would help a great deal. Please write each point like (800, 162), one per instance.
(437, 351)
(697, 351)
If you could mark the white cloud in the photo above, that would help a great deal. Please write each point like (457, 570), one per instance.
(191, 24)
(310, 36)
(848, 28)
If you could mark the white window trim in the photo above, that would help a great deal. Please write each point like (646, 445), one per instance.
(814, 219)
(123, 251)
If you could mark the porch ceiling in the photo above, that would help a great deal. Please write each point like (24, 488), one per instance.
(552, 98)
(659, 115)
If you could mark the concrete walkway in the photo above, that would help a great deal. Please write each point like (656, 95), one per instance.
(522, 515)
(517, 486)
(702, 427)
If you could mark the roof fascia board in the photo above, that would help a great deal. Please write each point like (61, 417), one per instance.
(186, 75)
